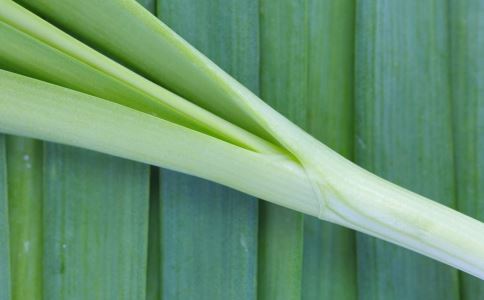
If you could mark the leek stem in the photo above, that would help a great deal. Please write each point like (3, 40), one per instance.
(323, 184)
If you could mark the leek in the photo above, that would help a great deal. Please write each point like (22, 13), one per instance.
(101, 202)
(209, 232)
(235, 138)
(5, 269)
(329, 270)
(467, 42)
(403, 118)
(281, 234)
(24, 166)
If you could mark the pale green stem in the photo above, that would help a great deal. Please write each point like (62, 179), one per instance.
(324, 184)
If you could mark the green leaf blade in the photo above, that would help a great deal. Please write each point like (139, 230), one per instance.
(280, 253)
(404, 134)
(341, 192)
(37, 49)
(5, 269)
(150, 5)
(209, 232)
(96, 214)
(136, 39)
(24, 164)
(284, 67)
(329, 270)
(467, 81)
(209, 240)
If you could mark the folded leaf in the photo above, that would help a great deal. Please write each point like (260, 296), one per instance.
(38, 49)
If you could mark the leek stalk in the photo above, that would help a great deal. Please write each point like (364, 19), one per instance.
(238, 141)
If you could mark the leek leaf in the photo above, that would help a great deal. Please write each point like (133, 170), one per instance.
(217, 256)
(92, 280)
(24, 165)
(150, 5)
(329, 270)
(467, 81)
(311, 179)
(153, 279)
(96, 225)
(404, 134)
(5, 274)
(38, 49)
(153, 276)
(283, 85)
(100, 125)
(211, 261)
(134, 37)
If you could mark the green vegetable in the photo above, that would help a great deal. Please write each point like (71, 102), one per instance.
(329, 270)
(153, 277)
(249, 147)
(284, 86)
(404, 135)
(467, 82)
(24, 166)
(217, 256)
(5, 268)
(100, 202)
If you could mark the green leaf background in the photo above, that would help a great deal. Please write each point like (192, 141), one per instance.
(398, 86)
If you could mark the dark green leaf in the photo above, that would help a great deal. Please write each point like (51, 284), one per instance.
(24, 165)
(5, 281)
(209, 232)
(148, 4)
(284, 85)
(467, 41)
(153, 280)
(96, 225)
(329, 270)
(403, 133)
